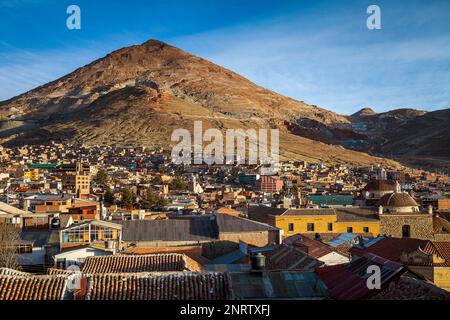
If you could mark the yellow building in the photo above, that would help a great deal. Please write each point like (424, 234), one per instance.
(431, 261)
(80, 184)
(322, 221)
(33, 175)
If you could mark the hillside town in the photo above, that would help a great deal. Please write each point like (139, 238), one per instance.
(82, 222)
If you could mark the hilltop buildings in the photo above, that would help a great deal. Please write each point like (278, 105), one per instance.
(148, 221)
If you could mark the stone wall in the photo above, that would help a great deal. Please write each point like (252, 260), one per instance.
(421, 225)
(257, 238)
(442, 237)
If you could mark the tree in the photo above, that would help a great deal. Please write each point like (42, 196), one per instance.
(9, 239)
(178, 183)
(102, 177)
(151, 199)
(108, 197)
(128, 199)
(157, 180)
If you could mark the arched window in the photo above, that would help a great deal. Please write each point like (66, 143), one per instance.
(406, 231)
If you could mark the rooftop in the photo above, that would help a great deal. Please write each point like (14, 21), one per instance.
(380, 185)
(288, 257)
(174, 286)
(135, 263)
(342, 213)
(278, 285)
(389, 248)
(348, 281)
(200, 229)
(314, 248)
(13, 287)
(397, 199)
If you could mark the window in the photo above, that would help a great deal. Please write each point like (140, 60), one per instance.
(25, 249)
(310, 226)
(366, 229)
(291, 227)
(406, 231)
(108, 234)
(61, 263)
(349, 230)
(330, 227)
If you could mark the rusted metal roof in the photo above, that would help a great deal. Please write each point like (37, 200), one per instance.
(348, 281)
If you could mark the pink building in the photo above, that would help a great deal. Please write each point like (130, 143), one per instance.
(269, 184)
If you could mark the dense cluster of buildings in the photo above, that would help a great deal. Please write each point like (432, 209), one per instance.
(126, 223)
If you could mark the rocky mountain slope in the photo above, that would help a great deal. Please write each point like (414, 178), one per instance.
(415, 136)
(422, 140)
(138, 95)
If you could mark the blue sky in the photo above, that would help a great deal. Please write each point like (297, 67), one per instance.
(320, 52)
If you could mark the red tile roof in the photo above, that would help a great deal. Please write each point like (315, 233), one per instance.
(312, 247)
(441, 249)
(406, 288)
(55, 271)
(390, 248)
(12, 272)
(176, 286)
(135, 263)
(32, 287)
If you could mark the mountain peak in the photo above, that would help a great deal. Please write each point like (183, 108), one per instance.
(154, 42)
(364, 112)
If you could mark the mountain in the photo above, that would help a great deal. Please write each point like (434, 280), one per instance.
(421, 140)
(415, 137)
(377, 126)
(138, 95)
(364, 112)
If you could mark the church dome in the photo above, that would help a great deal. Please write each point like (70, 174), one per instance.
(380, 185)
(397, 199)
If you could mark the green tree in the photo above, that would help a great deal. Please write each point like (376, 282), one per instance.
(102, 177)
(178, 183)
(108, 197)
(157, 180)
(151, 199)
(128, 199)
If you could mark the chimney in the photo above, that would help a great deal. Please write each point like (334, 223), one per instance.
(26, 204)
(360, 241)
(397, 187)
(258, 262)
(430, 209)
(380, 210)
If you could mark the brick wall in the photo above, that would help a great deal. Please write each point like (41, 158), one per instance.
(257, 238)
(421, 225)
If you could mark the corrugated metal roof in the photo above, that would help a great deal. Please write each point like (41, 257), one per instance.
(331, 200)
(342, 239)
(348, 281)
(227, 223)
(278, 285)
(169, 230)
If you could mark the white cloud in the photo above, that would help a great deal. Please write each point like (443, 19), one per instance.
(338, 68)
